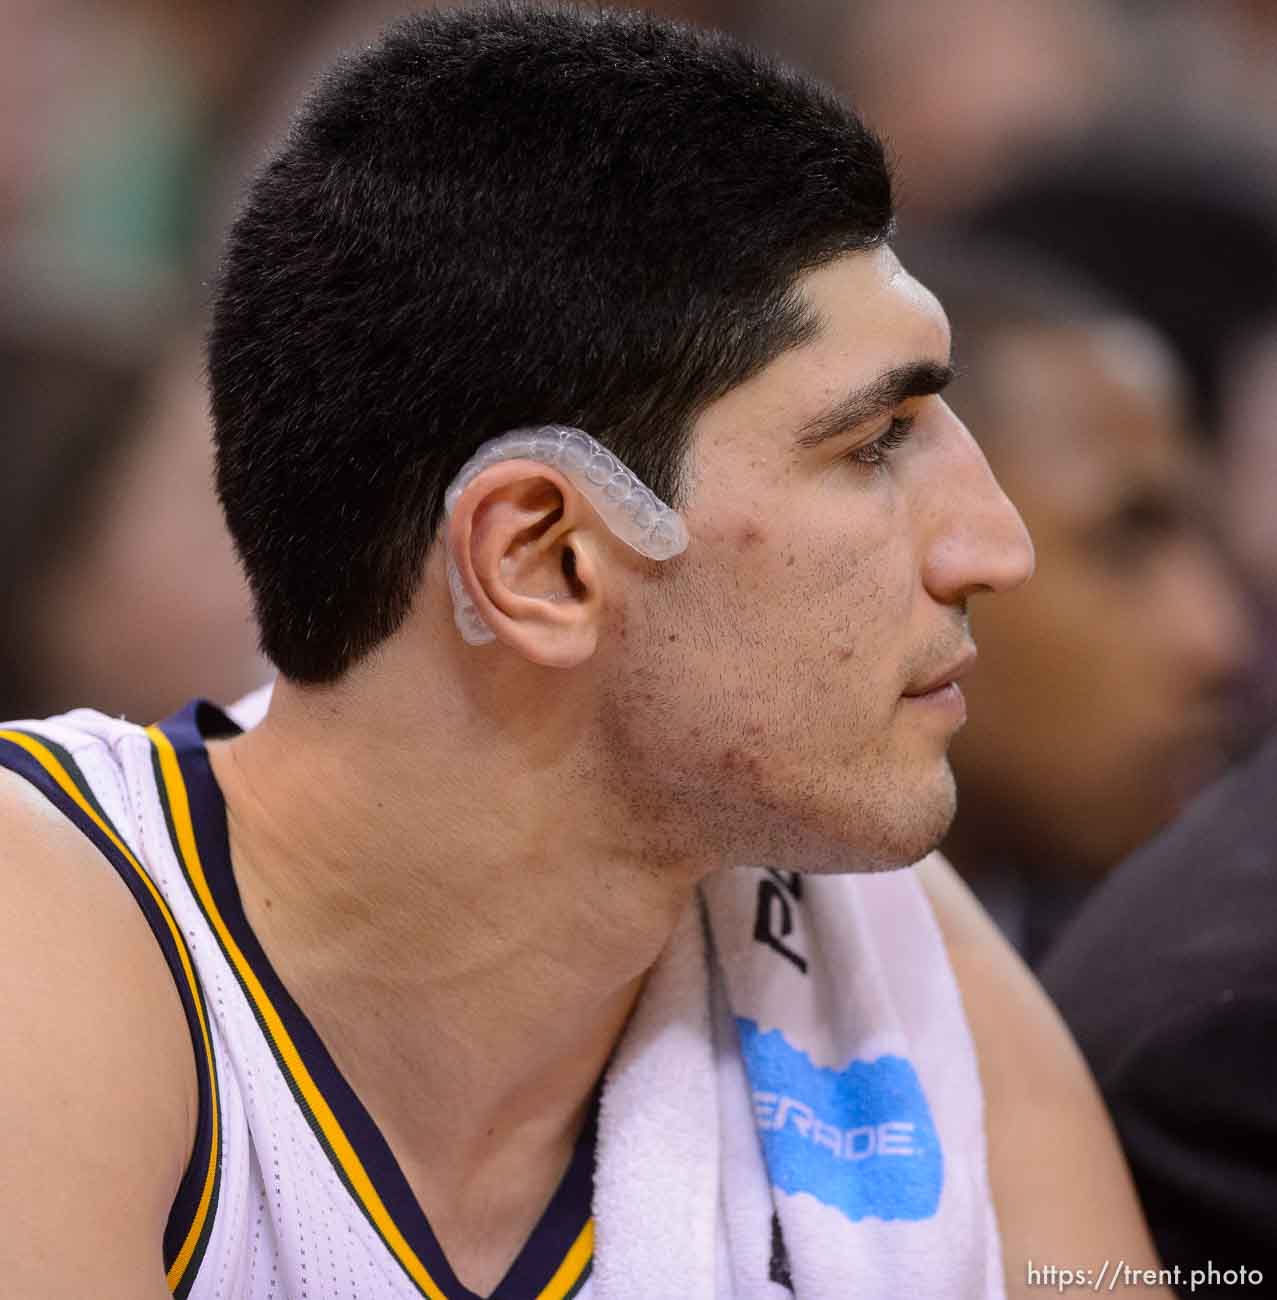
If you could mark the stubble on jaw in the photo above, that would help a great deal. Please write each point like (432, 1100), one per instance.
(709, 791)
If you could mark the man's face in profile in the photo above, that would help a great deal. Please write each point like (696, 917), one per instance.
(785, 684)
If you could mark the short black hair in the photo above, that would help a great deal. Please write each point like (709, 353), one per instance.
(494, 218)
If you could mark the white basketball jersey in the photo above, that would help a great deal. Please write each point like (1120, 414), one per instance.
(292, 1192)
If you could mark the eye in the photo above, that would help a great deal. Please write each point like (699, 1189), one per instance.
(878, 452)
(1141, 527)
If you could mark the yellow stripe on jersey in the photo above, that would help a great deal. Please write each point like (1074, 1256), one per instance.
(578, 1257)
(575, 1262)
(47, 760)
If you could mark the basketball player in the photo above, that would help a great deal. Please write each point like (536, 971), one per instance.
(447, 978)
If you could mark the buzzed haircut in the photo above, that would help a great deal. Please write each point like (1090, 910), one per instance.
(495, 218)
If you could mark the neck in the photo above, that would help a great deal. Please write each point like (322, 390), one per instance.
(479, 940)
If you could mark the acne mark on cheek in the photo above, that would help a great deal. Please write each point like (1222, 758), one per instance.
(847, 652)
(673, 637)
(750, 535)
(737, 761)
(789, 563)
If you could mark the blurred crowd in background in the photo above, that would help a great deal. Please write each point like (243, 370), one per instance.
(1089, 185)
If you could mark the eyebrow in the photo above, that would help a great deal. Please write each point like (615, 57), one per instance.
(914, 379)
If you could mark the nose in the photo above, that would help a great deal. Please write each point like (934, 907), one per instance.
(976, 540)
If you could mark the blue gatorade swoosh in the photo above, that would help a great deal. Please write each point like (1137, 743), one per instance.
(860, 1139)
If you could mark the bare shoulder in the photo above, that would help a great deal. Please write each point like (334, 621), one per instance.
(1060, 1183)
(97, 1072)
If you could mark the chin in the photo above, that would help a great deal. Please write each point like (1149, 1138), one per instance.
(866, 845)
(884, 832)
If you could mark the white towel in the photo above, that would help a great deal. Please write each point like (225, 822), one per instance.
(795, 1107)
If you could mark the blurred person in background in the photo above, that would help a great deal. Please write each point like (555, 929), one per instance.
(1104, 695)
(1187, 236)
(117, 578)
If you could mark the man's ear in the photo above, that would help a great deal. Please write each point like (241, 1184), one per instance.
(526, 546)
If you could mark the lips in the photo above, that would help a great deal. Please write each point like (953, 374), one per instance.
(955, 669)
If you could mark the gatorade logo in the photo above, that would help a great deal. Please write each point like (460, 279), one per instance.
(860, 1139)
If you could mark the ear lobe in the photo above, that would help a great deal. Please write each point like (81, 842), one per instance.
(519, 538)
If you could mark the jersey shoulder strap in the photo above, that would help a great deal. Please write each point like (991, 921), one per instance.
(74, 762)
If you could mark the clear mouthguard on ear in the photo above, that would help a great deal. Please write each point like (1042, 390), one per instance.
(632, 511)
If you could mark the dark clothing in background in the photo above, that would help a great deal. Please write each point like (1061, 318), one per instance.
(1168, 980)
